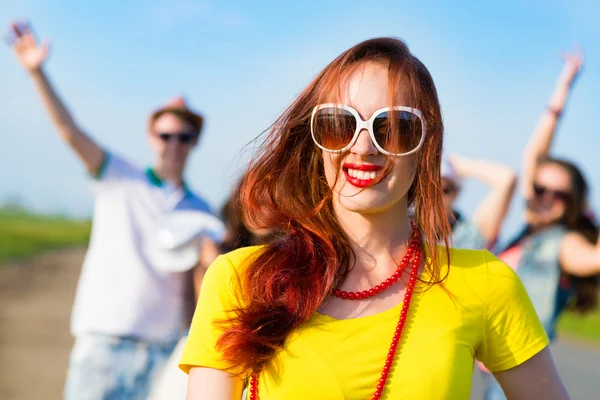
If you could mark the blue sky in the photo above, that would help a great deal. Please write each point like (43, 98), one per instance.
(242, 63)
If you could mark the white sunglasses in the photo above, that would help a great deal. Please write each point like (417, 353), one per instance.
(335, 129)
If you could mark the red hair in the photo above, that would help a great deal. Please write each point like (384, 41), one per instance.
(285, 190)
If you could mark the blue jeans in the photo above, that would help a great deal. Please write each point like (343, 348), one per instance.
(114, 368)
(493, 390)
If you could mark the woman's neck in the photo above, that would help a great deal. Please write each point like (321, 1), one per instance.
(378, 238)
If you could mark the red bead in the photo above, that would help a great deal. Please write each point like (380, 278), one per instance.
(412, 280)
(384, 285)
(378, 393)
(344, 295)
(386, 369)
(389, 281)
(365, 294)
(338, 293)
(358, 295)
(382, 381)
(380, 387)
(372, 292)
(351, 296)
(378, 288)
(253, 396)
(403, 318)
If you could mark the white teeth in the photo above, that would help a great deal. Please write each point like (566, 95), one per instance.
(363, 175)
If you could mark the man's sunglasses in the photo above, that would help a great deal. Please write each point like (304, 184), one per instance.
(182, 137)
(541, 191)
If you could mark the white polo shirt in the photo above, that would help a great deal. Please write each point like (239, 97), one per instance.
(119, 292)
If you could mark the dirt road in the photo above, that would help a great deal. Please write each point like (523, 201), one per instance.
(35, 306)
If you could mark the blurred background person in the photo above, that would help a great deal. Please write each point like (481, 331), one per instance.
(127, 316)
(481, 229)
(557, 253)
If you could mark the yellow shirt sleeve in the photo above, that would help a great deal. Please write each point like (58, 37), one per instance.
(219, 297)
(513, 332)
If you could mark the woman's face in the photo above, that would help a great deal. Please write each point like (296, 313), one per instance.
(552, 190)
(366, 92)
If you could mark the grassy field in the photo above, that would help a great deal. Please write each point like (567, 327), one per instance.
(23, 234)
(585, 327)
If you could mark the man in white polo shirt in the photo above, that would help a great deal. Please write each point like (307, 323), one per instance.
(127, 315)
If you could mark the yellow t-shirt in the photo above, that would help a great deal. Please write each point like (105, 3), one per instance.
(484, 312)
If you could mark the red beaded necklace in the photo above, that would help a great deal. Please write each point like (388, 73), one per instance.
(413, 252)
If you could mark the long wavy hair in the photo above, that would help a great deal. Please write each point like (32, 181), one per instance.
(285, 190)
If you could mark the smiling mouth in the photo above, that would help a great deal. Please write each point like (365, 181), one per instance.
(362, 175)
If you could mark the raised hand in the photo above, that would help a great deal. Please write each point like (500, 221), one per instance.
(573, 63)
(29, 52)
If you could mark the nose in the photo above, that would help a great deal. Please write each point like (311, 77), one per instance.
(364, 146)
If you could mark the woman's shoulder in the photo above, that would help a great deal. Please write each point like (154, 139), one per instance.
(234, 262)
(239, 257)
(477, 269)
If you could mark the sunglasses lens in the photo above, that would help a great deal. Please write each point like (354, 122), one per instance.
(397, 131)
(185, 138)
(539, 190)
(333, 127)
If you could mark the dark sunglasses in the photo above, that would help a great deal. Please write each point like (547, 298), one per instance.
(541, 191)
(183, 137)
(449, 189)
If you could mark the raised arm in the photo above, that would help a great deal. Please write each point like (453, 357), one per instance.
(32, 56)
(543, 135)
(490, 213)
(578, 256)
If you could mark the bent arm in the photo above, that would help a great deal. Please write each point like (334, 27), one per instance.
(578, 256)
(491, 212)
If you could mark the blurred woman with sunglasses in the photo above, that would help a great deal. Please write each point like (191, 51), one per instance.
(557, 254)
(357, 300)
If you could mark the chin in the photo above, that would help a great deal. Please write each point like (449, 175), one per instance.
(366, 202)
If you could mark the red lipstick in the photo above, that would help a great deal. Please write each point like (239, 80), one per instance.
(362, 181)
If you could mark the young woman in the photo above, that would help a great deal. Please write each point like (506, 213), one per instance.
(356, 301)
(557, 254)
